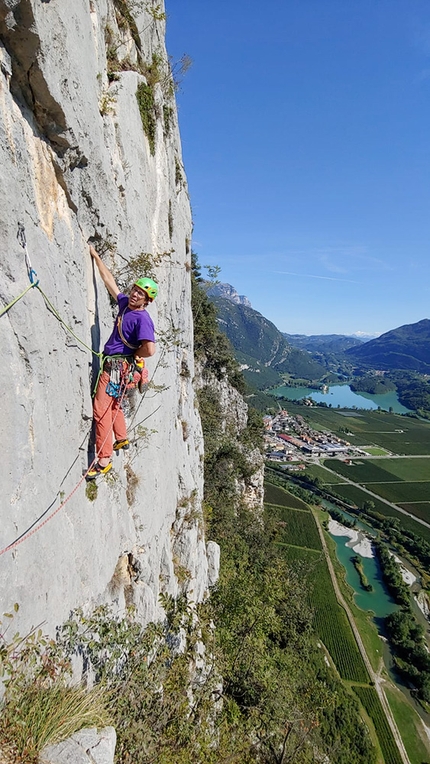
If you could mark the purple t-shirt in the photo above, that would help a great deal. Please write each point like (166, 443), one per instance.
(137, 326)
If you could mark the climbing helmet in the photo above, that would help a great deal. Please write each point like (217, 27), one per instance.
(149, 286)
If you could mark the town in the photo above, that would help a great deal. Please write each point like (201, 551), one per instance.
(290, 439)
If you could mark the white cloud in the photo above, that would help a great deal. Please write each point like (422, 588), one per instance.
(314, 276)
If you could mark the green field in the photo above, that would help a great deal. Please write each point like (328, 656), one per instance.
(410, 726)
(396, 433)
(330, 620)
(295, 527)
(299, 541)
(421, 510)
(316, 471)
(354, 495)
(406, 469)
(332, 626)
(375, 451)
(382, 470)
(273, 494)
(362, 471)
(397, 492)
(369, 698)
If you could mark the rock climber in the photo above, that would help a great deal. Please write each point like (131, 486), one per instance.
(131, 341)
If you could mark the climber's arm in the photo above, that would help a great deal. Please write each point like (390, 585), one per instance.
(145, 350)
(106, 276)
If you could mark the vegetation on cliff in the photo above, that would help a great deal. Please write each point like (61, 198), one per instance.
(283, 702)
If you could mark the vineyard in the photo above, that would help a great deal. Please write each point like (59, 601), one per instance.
(369, 698)
(421, 510)
(332, 626)
(316, 471)
(382, 470)
(295, 527)
(273, 494)
(396, 492)
(362, 471)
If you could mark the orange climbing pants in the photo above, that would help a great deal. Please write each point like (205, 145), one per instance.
(109, 418)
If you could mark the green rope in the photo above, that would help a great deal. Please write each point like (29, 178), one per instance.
(17, 298)
(57, 315)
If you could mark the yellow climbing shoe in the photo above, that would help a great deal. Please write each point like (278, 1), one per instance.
(121, 444)
(98, 470)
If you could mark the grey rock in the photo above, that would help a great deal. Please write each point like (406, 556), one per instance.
(213, 554)
(230, 293)
(88, 746)
(70, 172)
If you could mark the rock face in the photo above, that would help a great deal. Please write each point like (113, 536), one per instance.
(229, 293)
(77, 163)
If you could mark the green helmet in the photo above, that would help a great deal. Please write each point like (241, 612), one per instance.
(149, 286)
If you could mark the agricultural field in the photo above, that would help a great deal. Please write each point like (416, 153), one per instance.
(375, 451)
(295, 527)
(300, 543)
(421, 509)
(406, 469)
(330, 620)
(410, 725)
(332, 626)
(398, 492)
(371, 703)
(316, 471)
(362, 471)
(354, 495)
(273, 494)
(306, 559)
(382, 470)
(393, 432)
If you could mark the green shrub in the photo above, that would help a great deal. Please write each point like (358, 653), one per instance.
(146, 103)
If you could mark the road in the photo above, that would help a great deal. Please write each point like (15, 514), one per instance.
(373, 676)
(376, 496)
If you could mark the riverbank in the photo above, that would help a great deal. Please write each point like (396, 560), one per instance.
(359, 542)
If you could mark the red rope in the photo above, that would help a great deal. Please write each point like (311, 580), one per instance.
(63, 503)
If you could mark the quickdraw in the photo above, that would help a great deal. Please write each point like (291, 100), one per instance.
(125, 374)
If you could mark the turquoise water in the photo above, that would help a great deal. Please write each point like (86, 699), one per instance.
(343, 396)
(379, 600)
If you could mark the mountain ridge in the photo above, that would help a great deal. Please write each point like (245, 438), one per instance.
(406, 347)
(260, 347)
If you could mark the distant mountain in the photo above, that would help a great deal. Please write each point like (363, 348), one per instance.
(261, 347)
(323, 343)
(405, 348)
(229, 293)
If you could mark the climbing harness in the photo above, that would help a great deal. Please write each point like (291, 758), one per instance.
(131, 374)
(124, 372)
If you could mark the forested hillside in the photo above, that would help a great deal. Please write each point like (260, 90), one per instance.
(260, 346)
(407, 347)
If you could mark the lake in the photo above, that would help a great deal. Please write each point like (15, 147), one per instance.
(342, 396)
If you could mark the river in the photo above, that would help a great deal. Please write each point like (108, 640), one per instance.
(379, 600)
(342, 396)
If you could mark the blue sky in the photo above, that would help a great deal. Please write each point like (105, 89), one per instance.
(306, 143)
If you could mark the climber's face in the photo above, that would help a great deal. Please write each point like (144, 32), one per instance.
(138, 299)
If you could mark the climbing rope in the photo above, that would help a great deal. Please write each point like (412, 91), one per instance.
(11, 304)
(35, 527)
(34, 282)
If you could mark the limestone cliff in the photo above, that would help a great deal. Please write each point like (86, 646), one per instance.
(81, 158)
